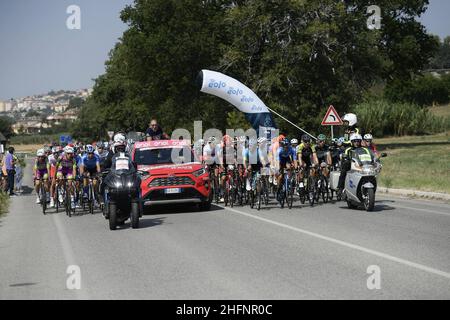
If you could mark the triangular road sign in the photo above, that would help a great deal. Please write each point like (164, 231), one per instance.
(331, 118)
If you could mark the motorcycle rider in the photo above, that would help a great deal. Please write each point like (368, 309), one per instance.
(359, 151)
(368, 142)
(350, 127)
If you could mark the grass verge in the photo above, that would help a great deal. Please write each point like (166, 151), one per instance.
(4, 203)
(416, 163)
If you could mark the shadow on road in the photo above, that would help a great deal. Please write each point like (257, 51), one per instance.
(26, 190)
(379, 207)
(176, 209)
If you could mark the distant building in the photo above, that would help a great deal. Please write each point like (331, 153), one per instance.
(2, 106)
(29, 127)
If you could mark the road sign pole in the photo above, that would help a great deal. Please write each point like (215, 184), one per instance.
(332, 135)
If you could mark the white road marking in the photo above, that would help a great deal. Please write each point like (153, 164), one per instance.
(347, 244)
(420, 209)
(69, 256)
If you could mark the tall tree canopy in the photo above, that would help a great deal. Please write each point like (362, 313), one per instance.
(299, 56)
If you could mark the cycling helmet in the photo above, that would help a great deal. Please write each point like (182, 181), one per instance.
(90, 149)
(368, 137)
(40, 153)
(294, 141)
(306, 138)
(211, 139)
(321, 137)
(262, 140)
(69, 150)
(340, 141)
(355, 136)
(285, 142)
(55, 150)
(201, 142)
(242, 138)
(351, 119)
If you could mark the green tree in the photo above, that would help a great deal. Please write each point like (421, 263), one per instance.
(75, 103)
(298, 56)
(6, 126)
(441, 60)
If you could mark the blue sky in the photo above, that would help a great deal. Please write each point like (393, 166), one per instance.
(38, 53)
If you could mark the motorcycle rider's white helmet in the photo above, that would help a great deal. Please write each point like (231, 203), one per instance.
(119, 144)
(119, 137)
(368, 137)
(294, 141)
(351, 118)
(355, 136)
(40, 153)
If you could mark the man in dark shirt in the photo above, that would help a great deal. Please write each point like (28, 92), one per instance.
(155, 132)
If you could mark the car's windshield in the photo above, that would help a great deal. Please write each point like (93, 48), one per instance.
(163, 156)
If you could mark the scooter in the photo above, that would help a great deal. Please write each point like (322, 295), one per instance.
(122, 191)
(361, 184)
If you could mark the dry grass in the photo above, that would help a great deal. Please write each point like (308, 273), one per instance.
(416, 162)
(31, 148)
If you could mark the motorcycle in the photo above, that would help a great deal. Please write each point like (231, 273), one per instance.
(122, 193)
(361, 184)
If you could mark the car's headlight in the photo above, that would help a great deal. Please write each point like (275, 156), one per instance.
(199, 172)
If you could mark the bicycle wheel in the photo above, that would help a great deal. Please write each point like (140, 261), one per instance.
(91, 198)
(318, 189)
(57, 191)
(325, 190)
(290, 194)
(259, 194)
(67, 201)
(311, 190)
(43, 197)
(226, 193)
(281, 196)
(266, 191)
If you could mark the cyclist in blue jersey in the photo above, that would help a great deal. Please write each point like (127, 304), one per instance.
(286, 158)
(90, 168)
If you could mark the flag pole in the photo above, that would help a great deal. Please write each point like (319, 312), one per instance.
(291, 123)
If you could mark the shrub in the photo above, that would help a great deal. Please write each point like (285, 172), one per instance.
(381, 118)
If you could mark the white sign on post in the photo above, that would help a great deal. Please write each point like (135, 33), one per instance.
(332, 118)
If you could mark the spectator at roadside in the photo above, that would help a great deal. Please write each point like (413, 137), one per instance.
(155, 132)
(9, 167)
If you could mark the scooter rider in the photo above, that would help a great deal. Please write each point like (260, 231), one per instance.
(120, 141)
(118, 147)
(355, 149)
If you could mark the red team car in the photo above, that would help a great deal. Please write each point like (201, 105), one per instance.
(171, 173)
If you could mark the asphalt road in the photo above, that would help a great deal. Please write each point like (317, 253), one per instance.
(322, 252)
